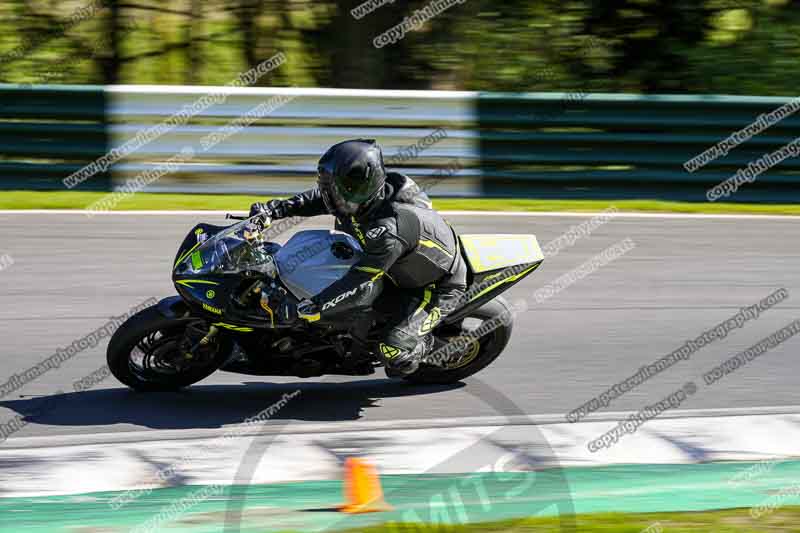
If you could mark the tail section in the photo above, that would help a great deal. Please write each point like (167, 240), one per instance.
(496, 263)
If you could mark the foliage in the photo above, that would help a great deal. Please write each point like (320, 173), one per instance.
(648, 46)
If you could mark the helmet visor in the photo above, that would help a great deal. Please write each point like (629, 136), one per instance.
(355, 187)
(335, 198)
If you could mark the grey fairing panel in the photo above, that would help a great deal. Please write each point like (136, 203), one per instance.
(306, 264)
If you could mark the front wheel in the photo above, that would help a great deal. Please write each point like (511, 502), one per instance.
(477, 353)
(149, 352)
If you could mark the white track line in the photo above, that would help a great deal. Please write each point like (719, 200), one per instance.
(621, 214)
(298, 428)
(293, 453)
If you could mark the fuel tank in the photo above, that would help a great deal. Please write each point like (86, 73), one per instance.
(313, 259)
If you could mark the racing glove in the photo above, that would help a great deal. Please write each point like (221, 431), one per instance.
(274, 209)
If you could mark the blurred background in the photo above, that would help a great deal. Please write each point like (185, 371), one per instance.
(585, 99)
(658, 46)
(573, 106)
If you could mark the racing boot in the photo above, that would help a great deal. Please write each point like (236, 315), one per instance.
(400, 362)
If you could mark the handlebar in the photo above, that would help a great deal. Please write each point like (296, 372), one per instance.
(261, 221)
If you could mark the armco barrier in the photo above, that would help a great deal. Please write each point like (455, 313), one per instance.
(538, 144)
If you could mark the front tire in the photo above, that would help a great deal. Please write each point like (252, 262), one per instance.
(158, 339)
(477, 355)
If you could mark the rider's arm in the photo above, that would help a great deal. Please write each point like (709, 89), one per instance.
(362, 284)
(305, 204)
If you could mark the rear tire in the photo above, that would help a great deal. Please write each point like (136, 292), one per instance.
(138, 328)
(490, 347)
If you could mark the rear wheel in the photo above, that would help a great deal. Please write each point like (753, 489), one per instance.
(474, 354)
(149, 352)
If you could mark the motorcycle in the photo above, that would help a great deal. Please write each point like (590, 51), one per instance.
(236, 310)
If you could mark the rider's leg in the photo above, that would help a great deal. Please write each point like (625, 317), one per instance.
(400, 346)
(410, 338)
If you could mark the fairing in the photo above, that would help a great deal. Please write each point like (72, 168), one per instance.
(307, 263)
(234, 249)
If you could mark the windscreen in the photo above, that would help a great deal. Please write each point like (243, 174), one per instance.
(235, 249)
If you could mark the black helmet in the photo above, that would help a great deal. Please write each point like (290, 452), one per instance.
(351, 176)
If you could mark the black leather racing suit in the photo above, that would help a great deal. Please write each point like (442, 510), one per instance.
(405, 241)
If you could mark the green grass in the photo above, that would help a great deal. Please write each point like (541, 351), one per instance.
(782, 520)
(154, 201)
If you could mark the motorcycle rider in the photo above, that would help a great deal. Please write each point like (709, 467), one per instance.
(403, 240)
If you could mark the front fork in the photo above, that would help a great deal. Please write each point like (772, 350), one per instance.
(198, 344)
(205, 341)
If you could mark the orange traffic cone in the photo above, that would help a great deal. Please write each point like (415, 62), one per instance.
(362, 488)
